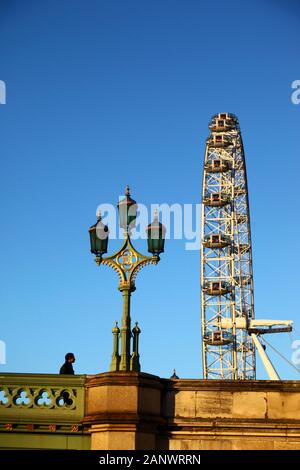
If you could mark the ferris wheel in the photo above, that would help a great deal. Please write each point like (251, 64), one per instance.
(230, 333)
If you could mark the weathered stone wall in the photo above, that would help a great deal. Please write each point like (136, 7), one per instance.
(123, 410)
(140, 411)
(231, 414)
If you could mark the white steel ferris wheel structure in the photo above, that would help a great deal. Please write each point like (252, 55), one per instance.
(229, 330)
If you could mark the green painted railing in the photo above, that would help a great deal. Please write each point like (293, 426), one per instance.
(41, 403)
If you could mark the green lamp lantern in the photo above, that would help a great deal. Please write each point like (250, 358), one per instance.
(99, 237)
(127, 211)
(156, 233)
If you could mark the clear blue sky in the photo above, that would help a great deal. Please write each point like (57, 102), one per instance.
(105, 93)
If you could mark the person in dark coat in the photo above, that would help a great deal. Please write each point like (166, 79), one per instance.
(67, 367)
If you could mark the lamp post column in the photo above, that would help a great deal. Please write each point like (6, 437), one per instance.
(125, 329)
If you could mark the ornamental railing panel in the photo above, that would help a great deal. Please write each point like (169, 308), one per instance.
(36, 399)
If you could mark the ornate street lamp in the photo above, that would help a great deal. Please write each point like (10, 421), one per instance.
(156, 233)
(127, 262)
(99, 237)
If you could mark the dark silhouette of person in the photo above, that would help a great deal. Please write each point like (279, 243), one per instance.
(67, 367)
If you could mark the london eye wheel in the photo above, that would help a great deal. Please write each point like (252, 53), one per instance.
(228, 352)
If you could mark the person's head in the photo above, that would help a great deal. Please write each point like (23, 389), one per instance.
(69, 357)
